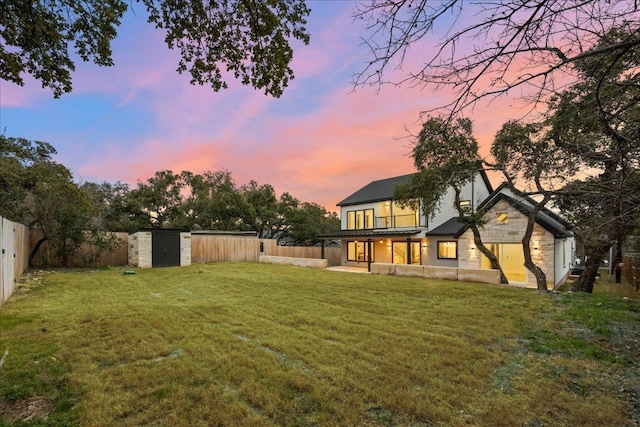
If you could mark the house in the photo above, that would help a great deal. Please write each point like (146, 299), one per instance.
(376, 229)
(552, 243)
(373, 222)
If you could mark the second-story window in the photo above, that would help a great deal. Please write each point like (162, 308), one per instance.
(360, 219)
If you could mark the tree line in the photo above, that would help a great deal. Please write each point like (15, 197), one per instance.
(39, 192)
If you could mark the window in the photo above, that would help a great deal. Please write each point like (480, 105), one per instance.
(357, 251)
(502, 218)
(368, 218)
(400, 253)
(360, 220)
(405, 216)
(448, 250)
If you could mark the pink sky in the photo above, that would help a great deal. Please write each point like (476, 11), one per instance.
(320, 141)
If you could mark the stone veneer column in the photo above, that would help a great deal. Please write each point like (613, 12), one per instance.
(140, 249)
(185, 249)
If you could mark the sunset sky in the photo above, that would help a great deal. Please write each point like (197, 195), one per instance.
(320, 141)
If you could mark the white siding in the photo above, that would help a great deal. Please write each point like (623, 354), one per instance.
(475, 191)
(564, 256)
(378, 210)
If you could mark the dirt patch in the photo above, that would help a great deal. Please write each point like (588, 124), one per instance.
(25, 409)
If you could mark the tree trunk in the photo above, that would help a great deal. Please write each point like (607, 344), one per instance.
(584, 283)
(36, 248)
(495, 264)
(541, 277)
(65, 254)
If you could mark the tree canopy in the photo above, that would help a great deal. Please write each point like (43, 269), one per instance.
(247, 39)
(486, 50)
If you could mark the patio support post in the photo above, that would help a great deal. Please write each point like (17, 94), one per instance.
(408, 250)
(369, 255)
(322, 248)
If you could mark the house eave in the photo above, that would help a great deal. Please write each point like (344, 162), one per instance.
(342, 234)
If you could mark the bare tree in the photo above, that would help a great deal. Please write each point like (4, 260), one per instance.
(484, 50)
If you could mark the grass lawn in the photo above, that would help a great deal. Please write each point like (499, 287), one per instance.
(239, 344)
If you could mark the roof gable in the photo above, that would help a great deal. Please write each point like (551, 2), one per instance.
(550, 221)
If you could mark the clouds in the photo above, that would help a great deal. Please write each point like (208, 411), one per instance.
(320, 141)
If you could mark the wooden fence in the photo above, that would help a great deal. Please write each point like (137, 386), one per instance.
(205, 247)
(87, 255)
(631, 269)
(14, 241)
(214, 247)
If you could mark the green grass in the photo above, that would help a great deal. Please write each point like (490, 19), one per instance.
(237, 344)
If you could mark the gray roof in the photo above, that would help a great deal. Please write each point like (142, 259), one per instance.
(383, 189)
(376, 191)
(452, 227)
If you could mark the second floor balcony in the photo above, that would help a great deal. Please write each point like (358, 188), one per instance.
(398, 221)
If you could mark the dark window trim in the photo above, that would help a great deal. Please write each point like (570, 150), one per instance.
(446, 241)
(364, 219)
(366, 251)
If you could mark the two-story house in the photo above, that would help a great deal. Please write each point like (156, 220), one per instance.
(375, 228)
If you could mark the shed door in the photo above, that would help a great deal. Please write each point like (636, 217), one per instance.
(165, 249)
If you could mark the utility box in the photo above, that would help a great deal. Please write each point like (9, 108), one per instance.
(159, 248)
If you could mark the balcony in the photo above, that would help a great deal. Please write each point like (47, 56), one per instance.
(397, 221)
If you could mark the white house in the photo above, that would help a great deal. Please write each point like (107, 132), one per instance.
(375, 229)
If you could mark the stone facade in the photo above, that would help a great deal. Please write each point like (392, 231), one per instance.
(185, 249)
(542, 242)
(300, 262)
(140, 249)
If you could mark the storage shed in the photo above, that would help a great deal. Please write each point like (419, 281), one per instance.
(160, 248)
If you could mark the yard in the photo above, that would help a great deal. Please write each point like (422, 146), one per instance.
(242, 344)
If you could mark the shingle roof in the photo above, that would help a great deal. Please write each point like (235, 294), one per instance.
(383, 189)
(376, 191)
(451, 227)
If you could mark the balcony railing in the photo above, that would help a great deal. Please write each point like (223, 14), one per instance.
(397, 221)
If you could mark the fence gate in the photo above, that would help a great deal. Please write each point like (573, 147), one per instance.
(165, 248)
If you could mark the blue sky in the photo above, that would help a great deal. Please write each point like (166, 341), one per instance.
(320, 141)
